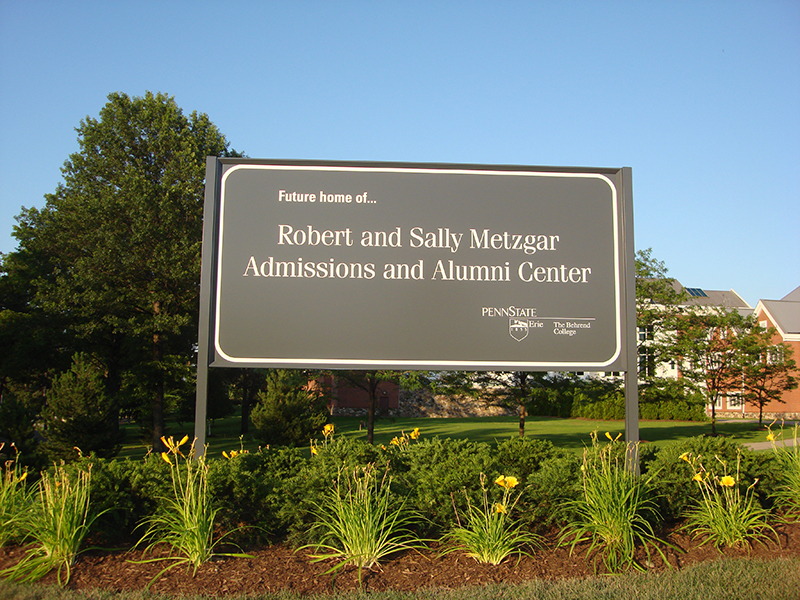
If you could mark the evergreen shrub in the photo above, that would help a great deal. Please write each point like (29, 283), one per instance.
(251, 488)
(437, 473)
(78, 415)
(287, 412)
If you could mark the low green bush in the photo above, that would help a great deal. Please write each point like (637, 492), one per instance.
(436, 473)
(306, 487)
(658, 400)
(550, 477)
(124, 492)
(672, 477)
(670, 400)
(251, 489)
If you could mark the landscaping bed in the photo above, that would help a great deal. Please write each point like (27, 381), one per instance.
(278, 567)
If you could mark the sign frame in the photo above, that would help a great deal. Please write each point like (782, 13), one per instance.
(212, 298)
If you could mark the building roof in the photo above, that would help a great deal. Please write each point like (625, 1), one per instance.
(720, 298)
(793, 296)
(785, 315)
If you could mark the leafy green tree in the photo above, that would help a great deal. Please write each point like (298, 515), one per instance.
(246, 384)
(709, 349)
(33, 341)
(658, 302)
(289, 412)
(19, 425)
(77, 414)
(768, 369)
(118, 243)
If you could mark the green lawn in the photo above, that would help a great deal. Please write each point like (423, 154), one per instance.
(572, 434)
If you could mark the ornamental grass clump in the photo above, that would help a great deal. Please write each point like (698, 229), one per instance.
(15, 500)
(185, 520)
(489, 534)
(787, 496)
(724, 516)
(54, 526)
(360, 523)
(615, 514)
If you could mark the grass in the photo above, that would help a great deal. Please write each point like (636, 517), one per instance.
(724, 579)
(570, 434)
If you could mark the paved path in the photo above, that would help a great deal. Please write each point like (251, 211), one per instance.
(768, 445)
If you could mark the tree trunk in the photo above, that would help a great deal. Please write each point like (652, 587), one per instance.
(113, 383)
(246, 387)
(158, 388)
(522, 376)
(372, 385)
(714, 417)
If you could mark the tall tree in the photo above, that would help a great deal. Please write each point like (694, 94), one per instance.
(768, 369)
(121, 237)
(708, 346)
(658, 302)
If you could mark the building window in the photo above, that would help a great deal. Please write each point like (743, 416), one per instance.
(735, 401)
(775, 354)
(647, 363)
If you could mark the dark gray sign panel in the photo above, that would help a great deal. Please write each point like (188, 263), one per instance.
(395, 266)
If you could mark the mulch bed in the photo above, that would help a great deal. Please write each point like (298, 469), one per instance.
(278, 567)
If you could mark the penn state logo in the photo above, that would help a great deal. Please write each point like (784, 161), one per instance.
(518, 329)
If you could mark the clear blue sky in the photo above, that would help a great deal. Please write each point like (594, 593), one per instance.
(701, 99)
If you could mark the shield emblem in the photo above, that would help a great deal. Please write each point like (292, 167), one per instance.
(518, 329)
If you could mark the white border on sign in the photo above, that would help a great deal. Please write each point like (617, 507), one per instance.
(408, 364)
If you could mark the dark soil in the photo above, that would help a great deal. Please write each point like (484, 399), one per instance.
(278, 567)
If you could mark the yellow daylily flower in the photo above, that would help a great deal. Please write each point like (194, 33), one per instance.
(184, 439)
(727, 481)
(507, 482)
(608, 435)
(770, 437)
(500, 508)
(415, 433)
(23, 476)
(226, 455)
(327, 430)
(684, 456)
(165, 458)
(697, 477)
(314, 450)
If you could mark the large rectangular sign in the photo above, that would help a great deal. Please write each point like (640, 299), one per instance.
(406, 266)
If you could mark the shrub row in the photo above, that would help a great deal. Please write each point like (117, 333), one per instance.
(273, 491)
(565, 397)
